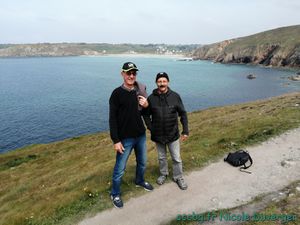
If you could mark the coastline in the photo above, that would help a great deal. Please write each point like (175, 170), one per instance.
(139, 55)
(8, 145)
(107, 131)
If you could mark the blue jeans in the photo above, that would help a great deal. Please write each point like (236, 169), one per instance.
(139, 146)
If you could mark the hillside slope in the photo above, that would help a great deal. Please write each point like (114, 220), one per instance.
(279, 47)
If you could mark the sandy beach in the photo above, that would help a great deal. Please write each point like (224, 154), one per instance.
(138, 55)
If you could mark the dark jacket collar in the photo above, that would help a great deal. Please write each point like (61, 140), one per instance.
(155, 92)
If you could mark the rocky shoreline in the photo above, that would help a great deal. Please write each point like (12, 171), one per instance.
(260, 55)
(274, 48)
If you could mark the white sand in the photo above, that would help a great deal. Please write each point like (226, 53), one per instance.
(138, 55)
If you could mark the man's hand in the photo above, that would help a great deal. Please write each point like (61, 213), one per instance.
(119, 147)
(184, 137)
(143, 101)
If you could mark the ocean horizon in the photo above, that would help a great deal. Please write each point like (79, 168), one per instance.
(47, 99)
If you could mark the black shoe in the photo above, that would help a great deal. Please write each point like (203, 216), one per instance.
(146, 186)
(117, 201)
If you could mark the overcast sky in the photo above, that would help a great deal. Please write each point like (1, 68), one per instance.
(141, 21)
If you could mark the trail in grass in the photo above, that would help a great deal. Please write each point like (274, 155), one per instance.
(217, 186)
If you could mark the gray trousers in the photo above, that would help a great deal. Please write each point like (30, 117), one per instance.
(174, 148)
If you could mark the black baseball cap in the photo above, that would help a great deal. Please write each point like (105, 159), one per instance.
(129, 66)
(162, 74)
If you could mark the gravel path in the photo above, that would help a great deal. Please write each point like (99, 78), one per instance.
(217, 186)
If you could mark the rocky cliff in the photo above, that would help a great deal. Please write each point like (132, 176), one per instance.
(279, 47)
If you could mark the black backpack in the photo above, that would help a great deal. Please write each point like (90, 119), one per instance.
(239, 158)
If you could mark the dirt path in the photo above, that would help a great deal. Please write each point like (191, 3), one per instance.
(217, 186)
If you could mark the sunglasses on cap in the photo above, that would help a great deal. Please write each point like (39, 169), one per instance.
(131, 72)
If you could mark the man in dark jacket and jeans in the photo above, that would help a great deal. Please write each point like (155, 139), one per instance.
(127, 130)
(161, 119)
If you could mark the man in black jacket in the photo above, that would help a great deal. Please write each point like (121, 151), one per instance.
(127, 129)
(161, 119)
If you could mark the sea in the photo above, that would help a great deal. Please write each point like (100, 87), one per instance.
(46, 99)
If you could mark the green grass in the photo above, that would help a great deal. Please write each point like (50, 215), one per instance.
(61, 182)
(285, 36)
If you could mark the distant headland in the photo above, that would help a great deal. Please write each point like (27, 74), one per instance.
(278, 47)
(89, 49)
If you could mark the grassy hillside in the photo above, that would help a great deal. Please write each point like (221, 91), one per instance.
(59, 183)
(277, 47)
(285, 36)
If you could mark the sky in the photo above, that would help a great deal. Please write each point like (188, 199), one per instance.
(141, 21)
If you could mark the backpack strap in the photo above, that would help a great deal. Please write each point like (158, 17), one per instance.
(245, 171)
(243, 168)
(251, 162)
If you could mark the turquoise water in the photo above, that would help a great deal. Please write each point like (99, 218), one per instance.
(49, 99)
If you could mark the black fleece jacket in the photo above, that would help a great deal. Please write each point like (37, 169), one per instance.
(125, 119)
(161, 116)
